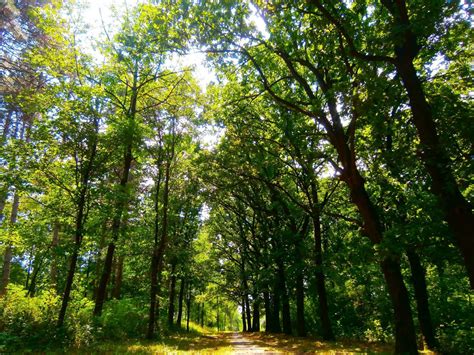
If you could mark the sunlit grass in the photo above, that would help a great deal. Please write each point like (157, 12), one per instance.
(206, 341)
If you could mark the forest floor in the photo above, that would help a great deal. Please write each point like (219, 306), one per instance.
(241, 343)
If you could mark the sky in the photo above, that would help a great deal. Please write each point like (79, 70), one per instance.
(100, 13)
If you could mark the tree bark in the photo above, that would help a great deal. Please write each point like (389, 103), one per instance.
(8, 255)
(421, 296)
(54, 261)
(286, 317)
(327, 332)
(268, 312)
(244, 323)
(300, 320)
(405, 336)
(116, 224)
(180, 303)
(188, 306)
(78, 235)
(159, 248)
(256, 315)
(202, 315)
(172, 296)
(118, 277)
(276, 307)
(122, 201)
(457, 210)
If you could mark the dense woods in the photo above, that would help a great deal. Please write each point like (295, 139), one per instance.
(320, 185)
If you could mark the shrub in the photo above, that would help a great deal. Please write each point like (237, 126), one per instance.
(28, 320)
(123, 319)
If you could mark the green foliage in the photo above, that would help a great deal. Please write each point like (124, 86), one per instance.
(28, 321)
(125, 318)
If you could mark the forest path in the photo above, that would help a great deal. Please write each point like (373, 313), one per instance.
(244, 345)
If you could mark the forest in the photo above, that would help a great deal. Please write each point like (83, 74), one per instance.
(310, 180)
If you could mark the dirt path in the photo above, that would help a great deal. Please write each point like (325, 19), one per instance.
(243, 345)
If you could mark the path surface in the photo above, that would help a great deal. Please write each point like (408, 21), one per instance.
(243, 345)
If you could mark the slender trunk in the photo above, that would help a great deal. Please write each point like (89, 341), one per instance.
(8, 255)
(244, 322)
(421, 296)
(276, 307)
(286, 317)
(6, 126)
(300, 321)
(78, 235)
(3, 201)
(116, 224)
(188, 306)
(121, 203)
(172, 296)
(38, 263)
(268, 312)
(54, 261)
(118, 278)
(180, 303)
(256, 315)
(202, 315)
(248, 312)
(159, 247)
(98, 269)
(327, 332)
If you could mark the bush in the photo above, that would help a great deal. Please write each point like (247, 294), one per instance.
(123, 319)
(80, 329)
(28, 320)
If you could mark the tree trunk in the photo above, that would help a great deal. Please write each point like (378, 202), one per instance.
(327, 332)
(286, 317)
(8, 255)
(78, 235)
(172, 296)
(248, 312)
(3, 201)
(118, 277)
(98, 269)
(421, 296)
(244, 323)
(405, 336)
(121, 203)
(188, 306)
(37, 265)
(6, 126)
(300, 321)
(256, 315)
(202, 315)
(180, 303)
(457, 210)
(268, 312)
(159, 247)
(54, 261)
(276, 307)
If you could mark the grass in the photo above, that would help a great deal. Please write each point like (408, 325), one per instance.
(224, 343)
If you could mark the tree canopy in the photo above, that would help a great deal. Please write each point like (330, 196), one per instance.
(335, 203)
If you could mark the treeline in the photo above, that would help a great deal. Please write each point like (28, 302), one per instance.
(338, 196)
(99, 190)
(347, 149)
